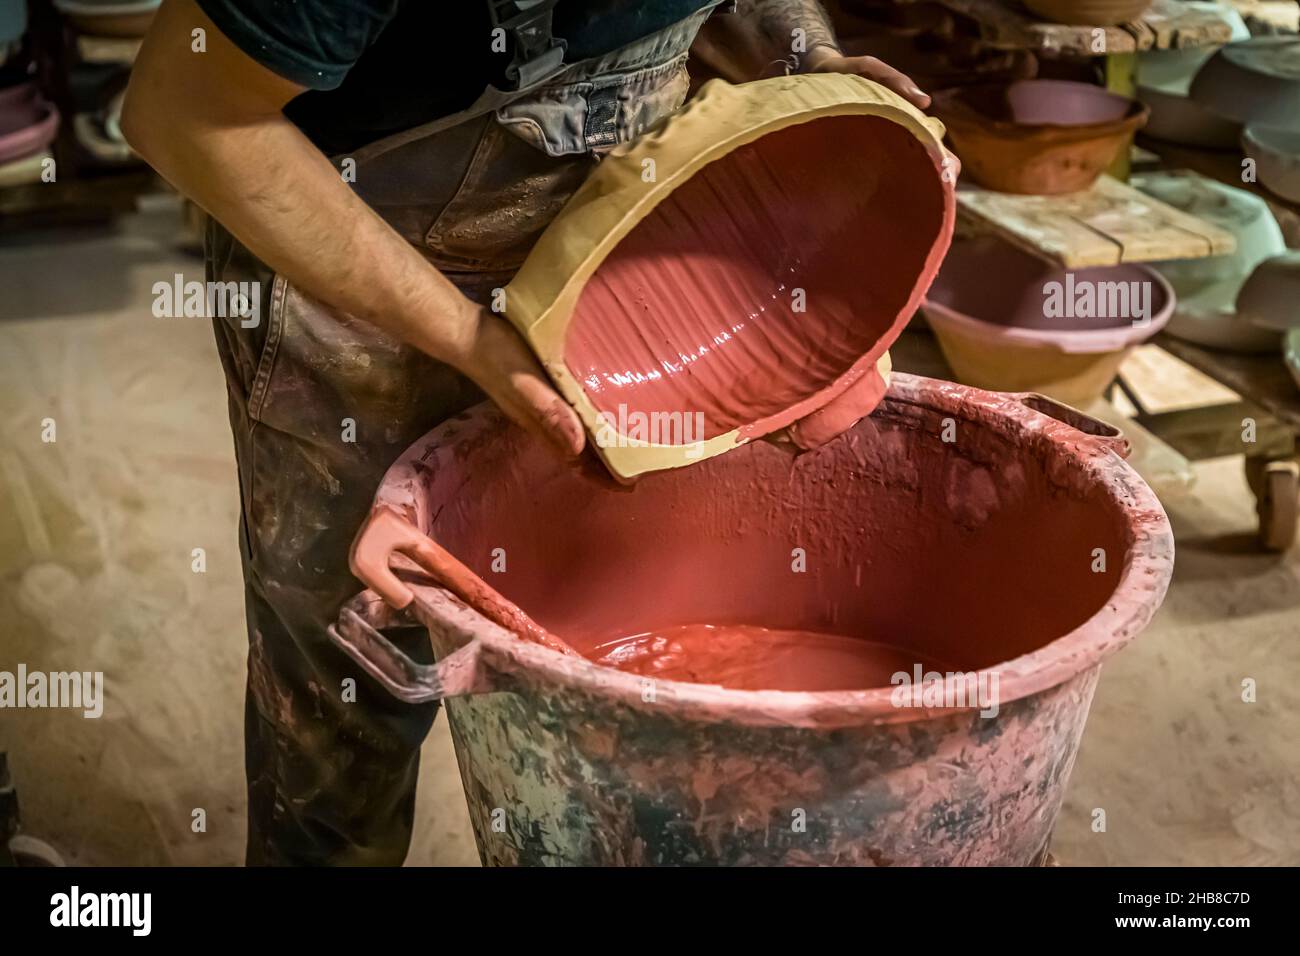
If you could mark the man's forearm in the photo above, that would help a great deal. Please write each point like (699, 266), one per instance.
(271, 187)
(211, 121)
(779, 19)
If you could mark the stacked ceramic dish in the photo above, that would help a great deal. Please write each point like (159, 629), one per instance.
(99, 133)
(1040, 327)
(97, 91)
(13, 24)
(1276, 152)
(109, 18)
(1039, 137)
(1255, 86)
(1164, 83)
(28, 125)
(1256, 81)
(1093, 13)
(1268, 300)
(1212, 291)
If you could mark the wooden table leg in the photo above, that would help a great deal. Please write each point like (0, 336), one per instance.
(1121, 78)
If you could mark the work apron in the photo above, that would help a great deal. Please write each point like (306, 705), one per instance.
(321, 404)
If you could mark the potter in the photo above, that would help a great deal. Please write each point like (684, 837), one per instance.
(382, 193)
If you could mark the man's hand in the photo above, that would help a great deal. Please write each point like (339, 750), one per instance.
(502, 364)
(824, 59)
(212, 124)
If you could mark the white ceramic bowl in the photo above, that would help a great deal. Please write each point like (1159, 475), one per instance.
(1268, 299)
(1207, 288)
(1276, 153)
(1171, 71)
(1177, 118)
(1254, 81)
(1291, 354)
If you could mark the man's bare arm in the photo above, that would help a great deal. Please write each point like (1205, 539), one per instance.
(212, 124)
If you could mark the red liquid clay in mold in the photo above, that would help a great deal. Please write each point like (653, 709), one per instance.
(697, 311)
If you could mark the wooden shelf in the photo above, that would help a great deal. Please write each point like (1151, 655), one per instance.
(90, 198)
(1166, 25)
(1105, 225)
(1260, 379)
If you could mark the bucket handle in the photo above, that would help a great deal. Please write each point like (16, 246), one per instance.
(461, 672)
(1101, 433)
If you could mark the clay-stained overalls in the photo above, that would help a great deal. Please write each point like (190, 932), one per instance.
(321, 404)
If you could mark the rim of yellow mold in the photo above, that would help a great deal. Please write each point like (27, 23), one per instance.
(541, 298)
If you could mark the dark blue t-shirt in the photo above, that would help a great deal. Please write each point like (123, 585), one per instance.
(375, 67)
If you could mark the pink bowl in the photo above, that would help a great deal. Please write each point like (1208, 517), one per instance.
(990, 284)
(27, 123)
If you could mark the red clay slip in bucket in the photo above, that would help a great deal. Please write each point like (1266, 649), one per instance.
(1000, 534)
(739, 268)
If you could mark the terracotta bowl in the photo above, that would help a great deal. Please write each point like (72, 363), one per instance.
(1277, 157)
(1009, 321)
(27, 123)
(1254, 81)
(1096, 13)
(1039, 137)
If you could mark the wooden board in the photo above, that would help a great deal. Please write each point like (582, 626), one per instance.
(1105, 225)
(1163, 383)
(1166, 25)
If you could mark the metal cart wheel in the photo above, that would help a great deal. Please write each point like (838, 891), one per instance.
(1276, 486)
(19, 849)
(29, 851)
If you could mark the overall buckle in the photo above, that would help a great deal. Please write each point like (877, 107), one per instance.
(538, 54)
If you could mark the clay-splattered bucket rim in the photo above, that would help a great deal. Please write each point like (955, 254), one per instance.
(503, 659)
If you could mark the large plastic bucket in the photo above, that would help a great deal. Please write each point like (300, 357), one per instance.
(1003, 533)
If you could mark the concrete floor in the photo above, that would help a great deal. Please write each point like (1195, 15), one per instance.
(97, 530)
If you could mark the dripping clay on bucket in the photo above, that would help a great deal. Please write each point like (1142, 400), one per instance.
(854, 557)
